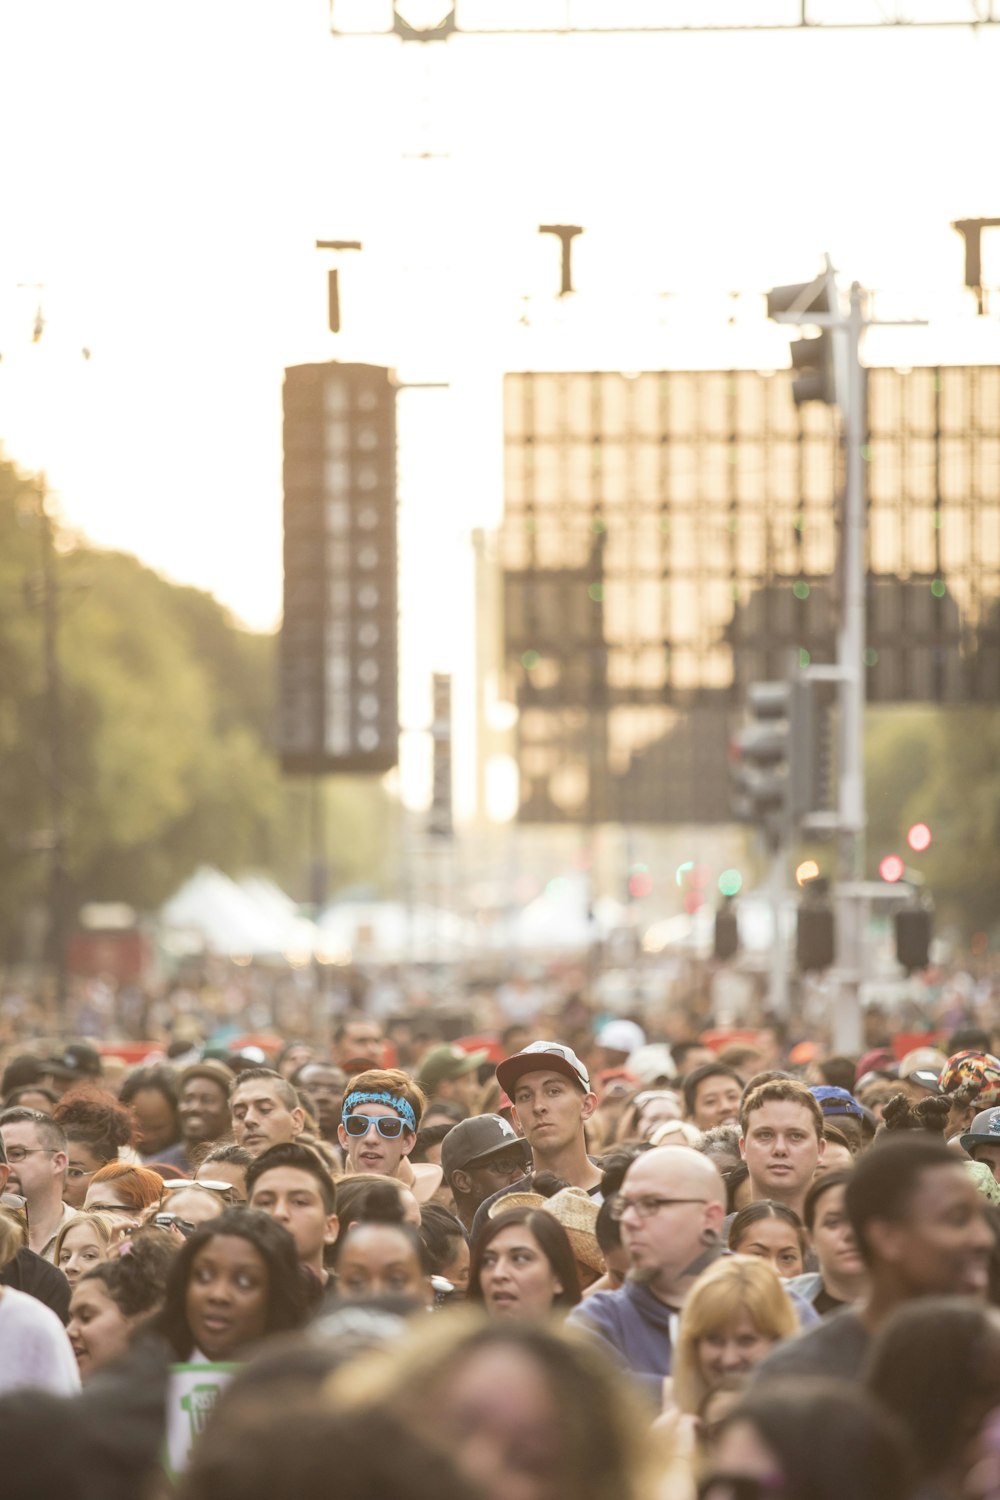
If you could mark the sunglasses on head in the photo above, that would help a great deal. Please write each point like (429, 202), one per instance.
(389, 1126)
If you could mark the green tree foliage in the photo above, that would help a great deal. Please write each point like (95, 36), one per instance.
(167, 711)
(940, 766)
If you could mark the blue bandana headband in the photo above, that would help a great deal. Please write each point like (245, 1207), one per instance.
(395, 1101)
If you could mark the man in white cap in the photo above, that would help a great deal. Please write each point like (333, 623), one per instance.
(550, 1090)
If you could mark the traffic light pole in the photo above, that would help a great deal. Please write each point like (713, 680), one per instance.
(778, 890)
(849, 905)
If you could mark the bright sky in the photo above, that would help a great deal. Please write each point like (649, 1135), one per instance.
(167, 171)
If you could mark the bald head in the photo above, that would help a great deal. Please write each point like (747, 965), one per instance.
(676, 1173)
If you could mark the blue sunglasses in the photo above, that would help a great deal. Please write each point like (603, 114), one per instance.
(389, 1126)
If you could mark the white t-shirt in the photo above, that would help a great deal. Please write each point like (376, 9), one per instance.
(35, 1351)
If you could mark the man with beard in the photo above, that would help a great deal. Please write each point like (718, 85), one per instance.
(670, 1207)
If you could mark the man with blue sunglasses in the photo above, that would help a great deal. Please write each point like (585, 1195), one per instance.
(380, 1117)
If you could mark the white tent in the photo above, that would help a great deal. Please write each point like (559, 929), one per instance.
(391, 932)
(253, 919)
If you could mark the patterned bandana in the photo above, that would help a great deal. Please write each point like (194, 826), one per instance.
(395, 1101)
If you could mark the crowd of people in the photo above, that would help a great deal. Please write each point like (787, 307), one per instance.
(512, 1266)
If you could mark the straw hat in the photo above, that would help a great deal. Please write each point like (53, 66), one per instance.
(577, 1213)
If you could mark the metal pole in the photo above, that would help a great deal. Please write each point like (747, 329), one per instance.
(53, 696)
(847, 1022)
(778, 994)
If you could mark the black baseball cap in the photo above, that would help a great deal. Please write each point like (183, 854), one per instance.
(476, 1140)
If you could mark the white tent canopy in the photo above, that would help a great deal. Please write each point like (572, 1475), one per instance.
(253, 918)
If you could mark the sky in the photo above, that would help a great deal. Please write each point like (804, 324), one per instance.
(167, 171)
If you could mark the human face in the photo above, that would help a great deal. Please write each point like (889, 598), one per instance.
(295, 1058)
(781, 1148)
(204, 1110)
(730, 1352)
(716, 1101)
(372, 1152)
(261, 1118)
(81, 1250)
(551, 1111)
(776, 1241)
(362, 1039)
(488, 1177)
(225, 1171)
(515, 1276)
(832, 1238)
(378, 1261)
(293, 1198)
(466, 1089)
(197, 1205)
(497, 1417)
(156, 1123)
(40, 1175)
(82, 1166)
(943, 1244)
(741, 1451)
(227, 1295)
(661, 1247)
(656, 1111)
(325, 1086)
(836, 1158)
(457, 1269)
(104, 1198)
(97, 1328)
(991, 1156)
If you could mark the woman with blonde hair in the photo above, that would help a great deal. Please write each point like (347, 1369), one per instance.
(82, 1243)
(527, 1412)
(734, 1313)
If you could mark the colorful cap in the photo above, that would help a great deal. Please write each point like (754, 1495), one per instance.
(980, 1070)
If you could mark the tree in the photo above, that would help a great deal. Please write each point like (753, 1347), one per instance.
(167, 746)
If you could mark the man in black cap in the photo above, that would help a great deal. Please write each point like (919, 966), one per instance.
(552, 1099)
(480, 1157)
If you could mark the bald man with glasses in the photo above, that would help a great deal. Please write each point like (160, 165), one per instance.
(670, 1207)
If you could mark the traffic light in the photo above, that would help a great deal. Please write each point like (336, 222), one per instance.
(812, 355)
(815, 931)
(759, 756)
(726, 940)
(338, 674)
(913, 937)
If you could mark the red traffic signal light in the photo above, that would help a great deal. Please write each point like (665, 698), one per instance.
(891, 868)
(919, 838)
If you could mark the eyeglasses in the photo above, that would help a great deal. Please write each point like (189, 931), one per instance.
(500, 1165)
(17, 1154)
(645, 1207)
(389, 1126)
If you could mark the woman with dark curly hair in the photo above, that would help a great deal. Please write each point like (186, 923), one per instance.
(97, 1127)
(236, 1280)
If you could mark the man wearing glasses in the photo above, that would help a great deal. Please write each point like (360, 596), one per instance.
(670, 1206)
(380, 1118)
(37, 1155)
